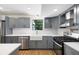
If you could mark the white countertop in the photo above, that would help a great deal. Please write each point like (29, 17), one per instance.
(6, 49)
(74, 45)
(32, 35)
(74, 35)
(29, 32)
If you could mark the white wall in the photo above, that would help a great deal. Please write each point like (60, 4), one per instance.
(28, 31)
(49, 31)
(62, 30)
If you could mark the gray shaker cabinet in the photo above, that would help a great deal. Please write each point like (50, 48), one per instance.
(12, 22)
(8, 40)
(35, 44)
(22, 22)
(38, 44)
(62, 19)
(42, 44)
(45, 43)
(52, 22)
(70, 51)
(48, 23)
(77, 15)
(50, 42)
(8, 26)
(11, 39)
(15, 39)
(32, 44)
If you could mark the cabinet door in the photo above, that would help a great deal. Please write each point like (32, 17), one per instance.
(45, 42)
(70, 51)
(48, 23)
(14, 39)
(32, 44)
(26, 22)
(8, 39)
(67, 50)
(41, 44)
(18, 23)
(22, 22)
(62, 19)
(50, 42)
(74, 52)
(11, 39)
(12, 21)
(8, 26)
(77, 15)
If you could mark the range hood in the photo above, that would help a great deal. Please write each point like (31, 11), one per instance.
(64, 25)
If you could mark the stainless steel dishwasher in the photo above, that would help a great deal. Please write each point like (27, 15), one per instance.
(24, 42)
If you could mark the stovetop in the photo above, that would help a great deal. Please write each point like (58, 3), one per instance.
(62, 39)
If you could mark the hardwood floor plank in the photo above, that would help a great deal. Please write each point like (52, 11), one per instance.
(36, 52)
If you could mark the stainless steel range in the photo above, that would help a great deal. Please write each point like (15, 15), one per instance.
(58, 43)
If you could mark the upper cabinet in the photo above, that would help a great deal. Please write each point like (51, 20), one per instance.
(48, 23)
(62, 19)
(77, 14)
(52, 22)
(20, 22)
(70, 17)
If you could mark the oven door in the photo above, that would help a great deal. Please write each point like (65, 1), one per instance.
(57, 48)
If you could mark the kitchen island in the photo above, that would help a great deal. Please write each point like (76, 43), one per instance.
(9, 49)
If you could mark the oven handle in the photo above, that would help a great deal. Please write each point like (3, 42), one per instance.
(57, 43)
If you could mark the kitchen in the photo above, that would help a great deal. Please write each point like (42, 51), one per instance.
(41, 27)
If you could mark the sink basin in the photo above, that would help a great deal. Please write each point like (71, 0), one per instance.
(35, 37)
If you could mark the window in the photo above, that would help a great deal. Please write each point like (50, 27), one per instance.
(37, 24)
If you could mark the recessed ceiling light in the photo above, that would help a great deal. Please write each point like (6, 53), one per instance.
(28, 8)
(55, 10)
(1, 8)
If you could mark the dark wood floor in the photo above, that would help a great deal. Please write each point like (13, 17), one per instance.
(36, 52)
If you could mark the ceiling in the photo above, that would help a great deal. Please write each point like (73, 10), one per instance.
(48, 9)
(43, 10)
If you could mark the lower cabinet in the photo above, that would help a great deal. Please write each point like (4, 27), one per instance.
(50, 42)
(69, 51)
(45, 43)
(42, 44)
(32, 44)
(11, 39)
(35, 44)
(24, 40)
